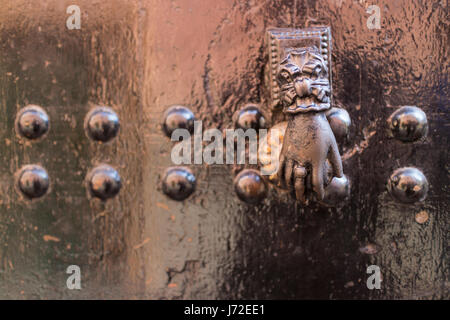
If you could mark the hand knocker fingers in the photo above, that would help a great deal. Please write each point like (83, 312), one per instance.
(280, 171)
(300, 183)
(317, 181)
(335, 160)
(288, 170)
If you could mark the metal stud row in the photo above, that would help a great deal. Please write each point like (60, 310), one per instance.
(101, 124)
(103, 181)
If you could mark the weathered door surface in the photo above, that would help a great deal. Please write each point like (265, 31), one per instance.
(141, 57)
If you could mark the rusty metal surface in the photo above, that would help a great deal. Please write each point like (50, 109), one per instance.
(140, 58)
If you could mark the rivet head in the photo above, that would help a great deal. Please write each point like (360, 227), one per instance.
(178, 117)
(178, 183)
(340, 122)
(408, 185)
(33, 181)
(250, 117)
(408, 124)
(104, 182)
(32, 122)
(337, 191)
(250, 187)
(102, 124)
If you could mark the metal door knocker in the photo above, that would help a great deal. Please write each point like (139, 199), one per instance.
(301, 85)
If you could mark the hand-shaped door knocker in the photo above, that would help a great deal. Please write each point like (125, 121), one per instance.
(309, 158)
(308, 141)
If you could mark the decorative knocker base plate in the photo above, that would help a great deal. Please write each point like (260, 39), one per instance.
(300, 83)
(281, 41)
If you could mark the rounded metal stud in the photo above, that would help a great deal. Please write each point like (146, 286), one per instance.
(337, 191)
(178, 117)
(408, 124)
(340, 122)
(250, 187)
(32, 122)
(408, 185)
(178, 183)
(102, 124)
(33, 181)
(250, 117)
(104, 182)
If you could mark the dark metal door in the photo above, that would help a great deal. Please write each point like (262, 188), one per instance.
(141, 57)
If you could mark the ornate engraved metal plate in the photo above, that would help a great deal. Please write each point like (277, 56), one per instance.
(282, 41)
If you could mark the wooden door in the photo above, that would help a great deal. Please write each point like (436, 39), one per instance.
(142, 57)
